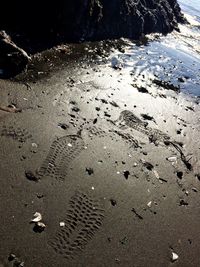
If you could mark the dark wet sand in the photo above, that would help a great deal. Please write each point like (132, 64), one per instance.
(99, 168)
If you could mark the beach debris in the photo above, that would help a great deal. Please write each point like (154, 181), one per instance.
(37, 217)
(69, 145)
(149, 204)
(126, 174)
(142, 90)
(147, 165)
(114, 104)
(124, 240)
(75, 109)
(172, 159)
(174, 257)
(162, 180)
(16, 261)
(137, 214)
(95, 121)
(63, 126)
(62, 224)
(11, 257)
(39, 227)
(31, 176)
(179, 174)
(183, 203)
(92, 187)
(90, 171)
(113, 202)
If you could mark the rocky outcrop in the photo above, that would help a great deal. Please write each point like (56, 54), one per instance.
(12, 58)
(75, 20)
(36, 25)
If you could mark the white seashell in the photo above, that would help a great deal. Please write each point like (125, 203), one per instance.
(174, 256)
(149, 204)
(37, 217)
(172, 159)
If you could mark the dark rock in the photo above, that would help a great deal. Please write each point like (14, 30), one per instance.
(31, 176)
(113, 202)
(90, 171)
(148, 165)
(95, 121)
(75, 109)
(126, 174)
(137, 214)
(39, 227)
(142, 90)
(76, 20)
(13, 59)
(11, 257)
(183, 203)
(63, 126)
(179, 174)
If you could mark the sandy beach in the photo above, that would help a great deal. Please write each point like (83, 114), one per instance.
(102, 140)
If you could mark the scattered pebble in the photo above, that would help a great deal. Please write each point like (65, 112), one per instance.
(39, 227)
(179, 174)
(31, 176)
(90, 171)
(63, 126)
(113, 202)
(126, 174)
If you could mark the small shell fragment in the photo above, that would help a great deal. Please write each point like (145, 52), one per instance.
(172, 159)
(62, 224)
(37, 217)
(156, 174)
(149, 204)
(174, 257)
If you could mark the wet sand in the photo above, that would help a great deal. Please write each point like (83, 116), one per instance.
(108, 156)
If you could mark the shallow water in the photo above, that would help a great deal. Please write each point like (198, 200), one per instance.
(191, 7)
(174, 59)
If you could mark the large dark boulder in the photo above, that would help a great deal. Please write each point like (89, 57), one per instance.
(75, 20)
